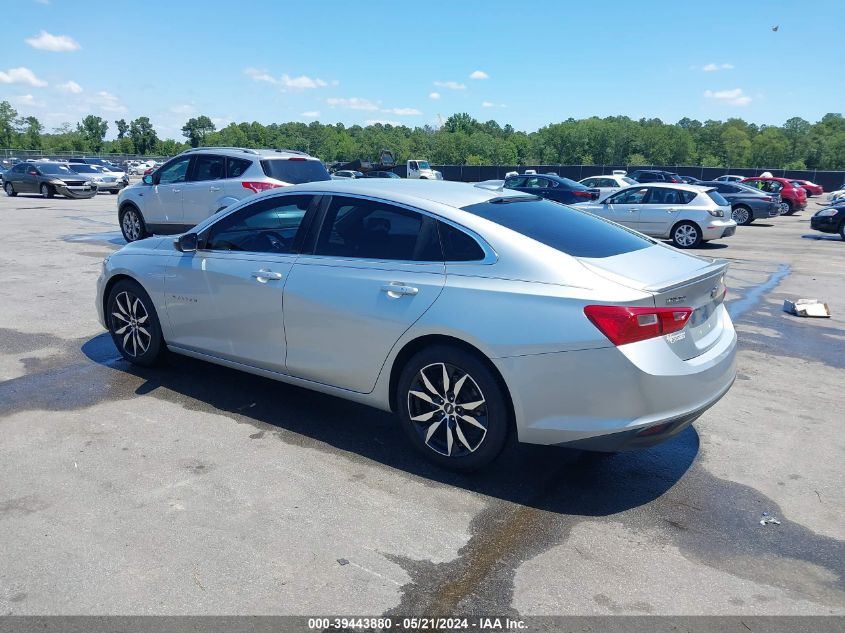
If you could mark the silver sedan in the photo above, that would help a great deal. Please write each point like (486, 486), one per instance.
(470, 313)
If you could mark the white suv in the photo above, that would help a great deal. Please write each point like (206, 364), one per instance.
(200, 182)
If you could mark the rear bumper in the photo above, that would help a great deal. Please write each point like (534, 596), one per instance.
(765, 211)
(606, 397)
(717, 229)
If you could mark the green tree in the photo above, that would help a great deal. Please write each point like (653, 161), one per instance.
(196, 130)
(143, 135)
(122, 128)
(93, 129)
(30, 130)
(8, 116)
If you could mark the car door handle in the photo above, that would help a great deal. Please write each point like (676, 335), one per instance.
(632, 209)
(266, 275)
(396, 289)
(215, 188)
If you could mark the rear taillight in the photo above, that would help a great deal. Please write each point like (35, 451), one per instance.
(255, 186)
(624, 324)
(582, 194)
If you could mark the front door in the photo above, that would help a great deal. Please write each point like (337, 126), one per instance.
(624, 207)
(163, 201)
(225, 299)
(375, 269)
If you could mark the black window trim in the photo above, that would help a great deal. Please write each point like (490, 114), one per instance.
(157, 173)
(192, 168)
(316, 227)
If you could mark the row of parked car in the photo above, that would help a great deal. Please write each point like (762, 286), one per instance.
(75, 178)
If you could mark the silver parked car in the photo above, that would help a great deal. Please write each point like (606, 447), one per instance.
(470, 313)
(200, 182)
(686, 214)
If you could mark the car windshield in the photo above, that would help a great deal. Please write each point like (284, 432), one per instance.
(564, 228)
(423, 164)
(54, 169)
(295, 171)
(80, 168)
(629, 181)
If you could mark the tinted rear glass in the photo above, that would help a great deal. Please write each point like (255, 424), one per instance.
(717, 197)
(563, 228)
(295, 171)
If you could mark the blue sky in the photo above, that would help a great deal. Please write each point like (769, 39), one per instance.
(527, 64)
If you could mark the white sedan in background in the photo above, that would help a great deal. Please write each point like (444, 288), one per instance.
(608, 184)
(686, 214)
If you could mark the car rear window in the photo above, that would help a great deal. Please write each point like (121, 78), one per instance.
(295, 171)
(563, 228)
(718, 198)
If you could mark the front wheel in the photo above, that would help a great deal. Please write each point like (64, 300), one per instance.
(10, 190)
(133, 324)
(47, 190)
(452, 408)
(842, 230)
(132, 225)
(686, 235)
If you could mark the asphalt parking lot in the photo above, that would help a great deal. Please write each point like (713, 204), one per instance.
(194, 489)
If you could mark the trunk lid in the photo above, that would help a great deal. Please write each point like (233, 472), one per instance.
(674, 279)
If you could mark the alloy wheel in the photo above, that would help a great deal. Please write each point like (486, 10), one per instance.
(131, 320)
(448, 410)
(740, 215)
(131, 225)
(784, 208)
(686, 235)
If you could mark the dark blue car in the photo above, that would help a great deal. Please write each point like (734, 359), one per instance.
(552, 187)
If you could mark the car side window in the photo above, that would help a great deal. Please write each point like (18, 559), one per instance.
(514, 181)
(660, 195)
(536, 183)
(174, 172)
(209, 167)
(235, 167)
(19, 169)
(591, 182)
(630, 196)
(370, 229)
(687, 196)
(265, 226)
(457, 245)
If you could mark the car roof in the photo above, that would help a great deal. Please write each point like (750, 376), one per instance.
(670, 185)
(445, 192)
(246, 152)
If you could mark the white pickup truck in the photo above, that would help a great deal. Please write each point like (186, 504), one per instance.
(422, 170)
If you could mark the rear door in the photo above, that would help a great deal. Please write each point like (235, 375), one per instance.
(374, 269)
(659, 210)
(163, 201)
(203, 188)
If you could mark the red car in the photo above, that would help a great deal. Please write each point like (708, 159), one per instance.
(811, 188)
(792, 197)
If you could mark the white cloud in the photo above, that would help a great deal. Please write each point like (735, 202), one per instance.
(451, 85)
(490, 104)
(353, 103)
(303, 82)
(434, 95)
(21, 76)
(71, 87)
(382, 121)
(479, 74)
(183, 108)
(709, 68)
(220, 121)
(26, 101)
(732, 97)
(107, 102)
(42, 1)
(311, 114)
(56, 43)
(402, 111)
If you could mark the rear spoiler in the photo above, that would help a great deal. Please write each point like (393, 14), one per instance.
(718, 265)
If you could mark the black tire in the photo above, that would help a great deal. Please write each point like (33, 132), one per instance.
(114, 192)
(742, 215)
(47, 191)
(472, 444)
(10, 190)
(790, 208)
(686, 235)
(132, 230)
(133, 324)
(842, 230)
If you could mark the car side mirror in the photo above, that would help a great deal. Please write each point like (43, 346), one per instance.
(187, 243)
(147, 180)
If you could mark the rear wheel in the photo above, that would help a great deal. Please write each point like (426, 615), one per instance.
(786, 207)
(133, 323)
(742, 215)
(132, 225)
(47, 190)
(452, 408)
(842, 230)
(10, 190)
(686, 235)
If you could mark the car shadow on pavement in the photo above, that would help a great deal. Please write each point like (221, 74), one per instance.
(549, 478)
